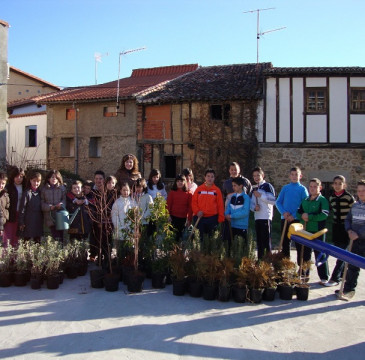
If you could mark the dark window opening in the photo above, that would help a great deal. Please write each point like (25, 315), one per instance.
(170, 166)
(221, 112)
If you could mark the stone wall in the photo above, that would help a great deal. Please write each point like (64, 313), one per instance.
(314, 162)
(118, 137)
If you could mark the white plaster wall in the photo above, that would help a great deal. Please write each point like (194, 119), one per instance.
(17, 152)
(315, 82)
(284, 106)
(357, 126)
(338, 109)
(270, 110)
(298, 108)
(357, 82)
(316, 128)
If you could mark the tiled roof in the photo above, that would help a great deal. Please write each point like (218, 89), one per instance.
(21, 72)
(299, 71)
(211, 83)
(21, 102)
(28, 114)
(140, 81)
(4, 23)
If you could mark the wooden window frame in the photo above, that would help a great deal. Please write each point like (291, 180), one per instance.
(317, 103)
(108, 113)
(360, 102)
(71, 147)
(95, 147)
(71, 114)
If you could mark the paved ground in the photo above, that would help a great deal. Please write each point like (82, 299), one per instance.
(79, 322)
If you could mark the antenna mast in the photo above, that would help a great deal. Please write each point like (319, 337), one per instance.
(258, 32)
(97, 57)
(120, 55)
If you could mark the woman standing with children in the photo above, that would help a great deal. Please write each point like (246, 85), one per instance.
(15, 189)
(53, 197)
(128, 171)
(30, 210)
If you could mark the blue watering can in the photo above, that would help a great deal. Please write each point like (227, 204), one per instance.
(63, 219)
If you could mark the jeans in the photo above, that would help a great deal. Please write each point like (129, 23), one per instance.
(358, 247)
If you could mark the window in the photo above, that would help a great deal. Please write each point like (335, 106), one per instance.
(70, 114)
(316, 100)
(358, 100)
(67, 147)
(220, 112)
(170, 166)
(31, 136)
(95, 147)
(110, 111)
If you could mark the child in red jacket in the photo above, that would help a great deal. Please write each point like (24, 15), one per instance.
(179, 205)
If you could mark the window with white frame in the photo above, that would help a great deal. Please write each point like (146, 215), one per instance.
(31, 136)
(95, 147)
(67, 147)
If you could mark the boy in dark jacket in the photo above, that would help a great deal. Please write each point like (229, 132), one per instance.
(77, 202)
(4, 203)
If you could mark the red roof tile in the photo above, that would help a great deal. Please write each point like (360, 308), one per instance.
(28, 114)
(140, 81)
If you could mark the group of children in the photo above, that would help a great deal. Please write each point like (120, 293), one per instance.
(100, 210)
(295, 204)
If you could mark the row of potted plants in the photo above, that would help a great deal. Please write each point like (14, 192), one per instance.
(212, 277)
(46, 260)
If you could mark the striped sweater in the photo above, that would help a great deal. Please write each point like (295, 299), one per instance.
(341, 205)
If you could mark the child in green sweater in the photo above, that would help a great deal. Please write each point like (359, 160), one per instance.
(313, 213)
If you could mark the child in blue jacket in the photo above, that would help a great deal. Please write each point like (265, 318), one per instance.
(238, 209)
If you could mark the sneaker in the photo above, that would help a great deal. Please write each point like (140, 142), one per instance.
(331, 283)
(323, 282)
(346, 295)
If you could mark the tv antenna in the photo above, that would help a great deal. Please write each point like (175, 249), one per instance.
(120, 56)
(97, 57)
(260, 33)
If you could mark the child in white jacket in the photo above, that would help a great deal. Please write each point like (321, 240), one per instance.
(120, 209)
(262, 203)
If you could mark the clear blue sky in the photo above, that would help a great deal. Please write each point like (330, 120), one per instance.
(56, 39)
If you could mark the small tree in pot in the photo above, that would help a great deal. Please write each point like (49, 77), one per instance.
(7, 255)
(177, 262)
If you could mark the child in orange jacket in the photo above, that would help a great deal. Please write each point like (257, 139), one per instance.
(208, 205)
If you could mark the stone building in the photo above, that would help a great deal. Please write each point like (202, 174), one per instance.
(4, 27)
(206, 118)
(89, 129)
(27, 120)
(313, 118)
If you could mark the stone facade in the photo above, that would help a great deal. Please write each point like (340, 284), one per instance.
(323, 163)
(117, 137)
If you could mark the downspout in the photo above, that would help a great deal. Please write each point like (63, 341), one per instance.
(76, 140)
